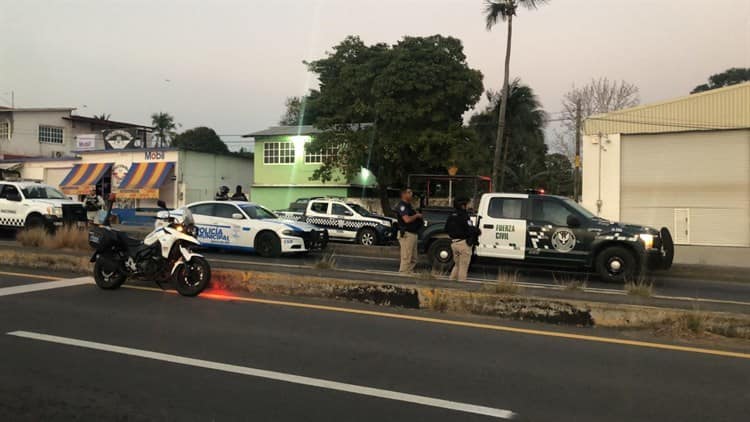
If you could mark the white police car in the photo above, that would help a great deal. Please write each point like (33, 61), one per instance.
(248, 227)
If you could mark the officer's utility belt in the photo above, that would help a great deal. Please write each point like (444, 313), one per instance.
(457, 240)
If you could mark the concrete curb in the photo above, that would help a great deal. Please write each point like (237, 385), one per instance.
(556, 311)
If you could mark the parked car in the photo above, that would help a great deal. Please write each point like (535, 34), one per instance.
(249, 227)
(30, 204)
(554, 231)
(345, 221)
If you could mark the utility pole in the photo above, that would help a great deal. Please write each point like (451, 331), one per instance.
(577, 169)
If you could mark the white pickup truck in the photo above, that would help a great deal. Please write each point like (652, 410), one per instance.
(554, 231)
(30, 204)
(344, 220)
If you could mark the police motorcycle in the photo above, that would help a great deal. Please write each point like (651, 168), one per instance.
(166, 254)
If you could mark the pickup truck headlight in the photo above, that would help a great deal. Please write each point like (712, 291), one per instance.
(55, 211)
(647, 239)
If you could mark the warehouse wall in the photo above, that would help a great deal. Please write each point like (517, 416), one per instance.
(601, 175)
(201, 175)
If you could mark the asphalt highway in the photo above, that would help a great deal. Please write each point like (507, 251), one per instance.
(74, 352)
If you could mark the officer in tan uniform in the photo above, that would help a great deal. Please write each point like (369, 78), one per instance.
(409, 222)
(463, 238)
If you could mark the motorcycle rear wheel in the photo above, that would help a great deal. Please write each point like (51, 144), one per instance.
(192, 277)
(107, 276)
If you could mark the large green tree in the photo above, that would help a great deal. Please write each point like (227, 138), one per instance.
(524, 149)
(411, 95)
(495, 11)
(728, 77)
(299, 110)
(201, 139)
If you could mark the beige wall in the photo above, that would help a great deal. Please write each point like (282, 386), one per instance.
(601, 175)
(201, 175)
(25, 133)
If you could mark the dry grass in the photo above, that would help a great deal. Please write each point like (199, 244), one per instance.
(76, 264)
(439, 301)
(507, 284)
(326, 262)
(641, 288)
(570, 282)
(62, 238)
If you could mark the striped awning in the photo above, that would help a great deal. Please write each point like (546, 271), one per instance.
(83, 177)
(144, 179)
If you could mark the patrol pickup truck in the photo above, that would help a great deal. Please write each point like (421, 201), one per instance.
(547, 230)
(345, 221)
(28, 204)
(248, 227)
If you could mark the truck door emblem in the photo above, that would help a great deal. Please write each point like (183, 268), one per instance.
(563, 240)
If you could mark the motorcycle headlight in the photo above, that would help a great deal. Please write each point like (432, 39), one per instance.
(647, 239)
(55, 211)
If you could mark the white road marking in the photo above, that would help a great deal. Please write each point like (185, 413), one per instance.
(272, 375)
(35, 287)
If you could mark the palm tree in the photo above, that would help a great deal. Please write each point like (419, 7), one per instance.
(524, 130)
(164, 127)
(103, 116)
(504, 10)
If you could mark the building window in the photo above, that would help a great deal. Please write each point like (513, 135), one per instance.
(50, 134)
(321, 156)
(278, 153)
(4, 130)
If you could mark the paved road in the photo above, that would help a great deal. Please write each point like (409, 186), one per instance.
(672, 287)
(81, 374)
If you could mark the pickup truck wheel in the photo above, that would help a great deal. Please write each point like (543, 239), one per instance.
(34, 221)
(441, 253)
(367, 237)
(616, 264)
(268, 245)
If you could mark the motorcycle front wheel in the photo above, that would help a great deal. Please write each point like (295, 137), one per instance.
(192, 277)
(107, 274)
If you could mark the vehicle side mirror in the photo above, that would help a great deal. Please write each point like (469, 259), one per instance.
(15, 197)
(238, 216)
(573, 221)
(162, 215)
(161, 204)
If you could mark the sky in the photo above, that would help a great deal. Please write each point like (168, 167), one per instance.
(230, 65)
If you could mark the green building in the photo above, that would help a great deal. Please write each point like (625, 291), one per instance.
(283, 169)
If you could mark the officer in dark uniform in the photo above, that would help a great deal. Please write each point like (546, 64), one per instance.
(463, 236)
(409, 222)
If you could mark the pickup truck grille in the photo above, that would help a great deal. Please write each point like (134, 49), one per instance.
(73, 213)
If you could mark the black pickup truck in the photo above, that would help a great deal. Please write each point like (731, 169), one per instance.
(553, 231)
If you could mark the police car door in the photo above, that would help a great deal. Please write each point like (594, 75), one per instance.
(550, 237)
(317, 215)
(344, 222)
(203, 217)
(9, 215)
(229, 222)
(503, 226)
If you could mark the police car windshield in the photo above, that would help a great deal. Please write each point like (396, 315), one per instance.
(576, 206)
(257, 212)
(42, 192)
(360, 210)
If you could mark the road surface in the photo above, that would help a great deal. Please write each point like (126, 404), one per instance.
(77, 352)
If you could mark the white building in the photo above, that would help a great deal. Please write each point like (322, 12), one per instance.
(54, 132)
(683, 164)
(140, 177)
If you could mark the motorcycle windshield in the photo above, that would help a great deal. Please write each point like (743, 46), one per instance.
(187, 218)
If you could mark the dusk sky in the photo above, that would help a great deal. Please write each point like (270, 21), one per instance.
(230, 65)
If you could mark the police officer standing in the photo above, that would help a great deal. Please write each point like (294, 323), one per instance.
(239, 195)
(409, 222)
(463, 238)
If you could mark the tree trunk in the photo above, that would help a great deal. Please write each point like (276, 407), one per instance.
(497, 171)
(504, 162)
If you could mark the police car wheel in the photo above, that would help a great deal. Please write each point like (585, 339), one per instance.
(616, 264)
(440, 252)
(367, 237)
(268, 245)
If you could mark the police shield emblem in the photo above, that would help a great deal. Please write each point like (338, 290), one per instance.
(563, 240)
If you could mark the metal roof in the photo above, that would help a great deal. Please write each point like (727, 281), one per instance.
(285, 131)
(17, 109)
(107, 123)
(718, 109)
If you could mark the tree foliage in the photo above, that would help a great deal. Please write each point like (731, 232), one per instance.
(524, 149)
(413, 95)
(728, 77)
(201, 139)
(299, 110)
(164, 128)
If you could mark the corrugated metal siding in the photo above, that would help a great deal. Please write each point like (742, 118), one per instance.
(724, 108)
(706, 173)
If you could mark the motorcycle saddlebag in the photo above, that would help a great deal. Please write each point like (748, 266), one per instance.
(101, 239)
